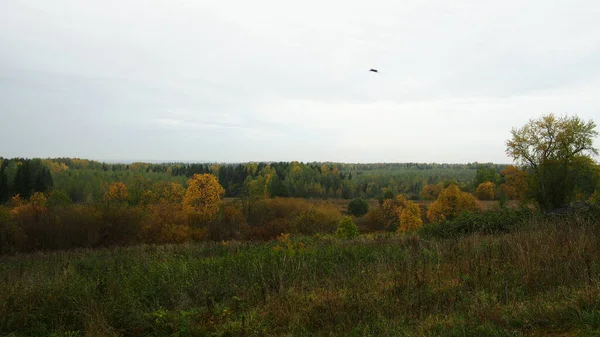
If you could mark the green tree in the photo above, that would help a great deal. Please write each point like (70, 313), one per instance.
(4, 188)
(358, 207)
(22, 184)
(347, 229)
(485, 174)
(549, 147)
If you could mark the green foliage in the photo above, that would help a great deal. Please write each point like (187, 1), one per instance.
(59, 199)
(486, 173)
(358, 207)
(347, 229)
(551, 148)
(489, 222)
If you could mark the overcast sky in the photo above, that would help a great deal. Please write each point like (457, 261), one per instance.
(233, 81)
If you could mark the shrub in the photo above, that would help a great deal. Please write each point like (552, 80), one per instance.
(358, 207)
(595, 198)
(488, 222)
(347, 228)
(317, 219)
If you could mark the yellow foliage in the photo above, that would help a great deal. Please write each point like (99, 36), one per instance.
(164, 192)
(431, 192)
(451, 202)
(410, 217)
(117, 192)
(485, 191)
(391, 217)
(203, 197)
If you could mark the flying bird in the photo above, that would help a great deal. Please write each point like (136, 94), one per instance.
(374, 70)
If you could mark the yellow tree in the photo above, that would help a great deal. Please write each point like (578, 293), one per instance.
(485, 191)
(451, 202)
(203, 197)
(117, 193)
(410, 217)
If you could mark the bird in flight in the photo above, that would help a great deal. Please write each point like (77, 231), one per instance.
(374, 70)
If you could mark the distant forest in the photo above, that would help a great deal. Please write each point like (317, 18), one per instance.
(86, 180)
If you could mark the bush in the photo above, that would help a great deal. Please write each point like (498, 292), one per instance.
(347, 229)
(358, 207)
(489, 222)
(317, 219)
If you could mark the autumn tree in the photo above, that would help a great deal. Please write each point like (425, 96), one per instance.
(203, 197)
(401, 214)
(485, 191)
(120, 223)
(515, 184)
(431, 191)
(410, 217)
(450, 203)
(117, 194)
(549, 147)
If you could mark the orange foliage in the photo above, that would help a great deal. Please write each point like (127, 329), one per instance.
(203, 197)
(516, 185)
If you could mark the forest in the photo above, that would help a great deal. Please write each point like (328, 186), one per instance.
(288, 248)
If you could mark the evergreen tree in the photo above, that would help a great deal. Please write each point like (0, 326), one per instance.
(4, 188)
(22, 184)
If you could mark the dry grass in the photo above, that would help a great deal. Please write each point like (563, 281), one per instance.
(543, 279)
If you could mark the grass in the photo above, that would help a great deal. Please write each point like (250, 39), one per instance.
(542, 279)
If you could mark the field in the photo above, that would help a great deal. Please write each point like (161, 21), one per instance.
(540, 279)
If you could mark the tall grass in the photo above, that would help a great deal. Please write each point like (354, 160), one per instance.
(541, 280)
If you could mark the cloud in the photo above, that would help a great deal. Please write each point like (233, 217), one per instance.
(234, 80)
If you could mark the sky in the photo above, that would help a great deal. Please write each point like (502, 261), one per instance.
(271, 80)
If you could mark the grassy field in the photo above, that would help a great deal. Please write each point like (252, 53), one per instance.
(543, 279)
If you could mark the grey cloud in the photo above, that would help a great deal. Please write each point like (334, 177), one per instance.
(271, 80)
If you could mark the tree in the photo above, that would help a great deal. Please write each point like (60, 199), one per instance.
(22, 184)
(347, 229)
(4, 188)
(358, 207)
(548, 147)
(485, 191)
(203, 197)
(410, 217)
(450, 203)
(117, 194)
(431, 192)
(515, 184)
(486, 173)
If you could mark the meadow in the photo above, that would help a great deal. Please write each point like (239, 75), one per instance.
(538, 276)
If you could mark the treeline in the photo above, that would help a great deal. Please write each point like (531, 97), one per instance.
(86, 180)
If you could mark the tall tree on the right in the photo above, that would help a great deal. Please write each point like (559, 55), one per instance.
(553, 149)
